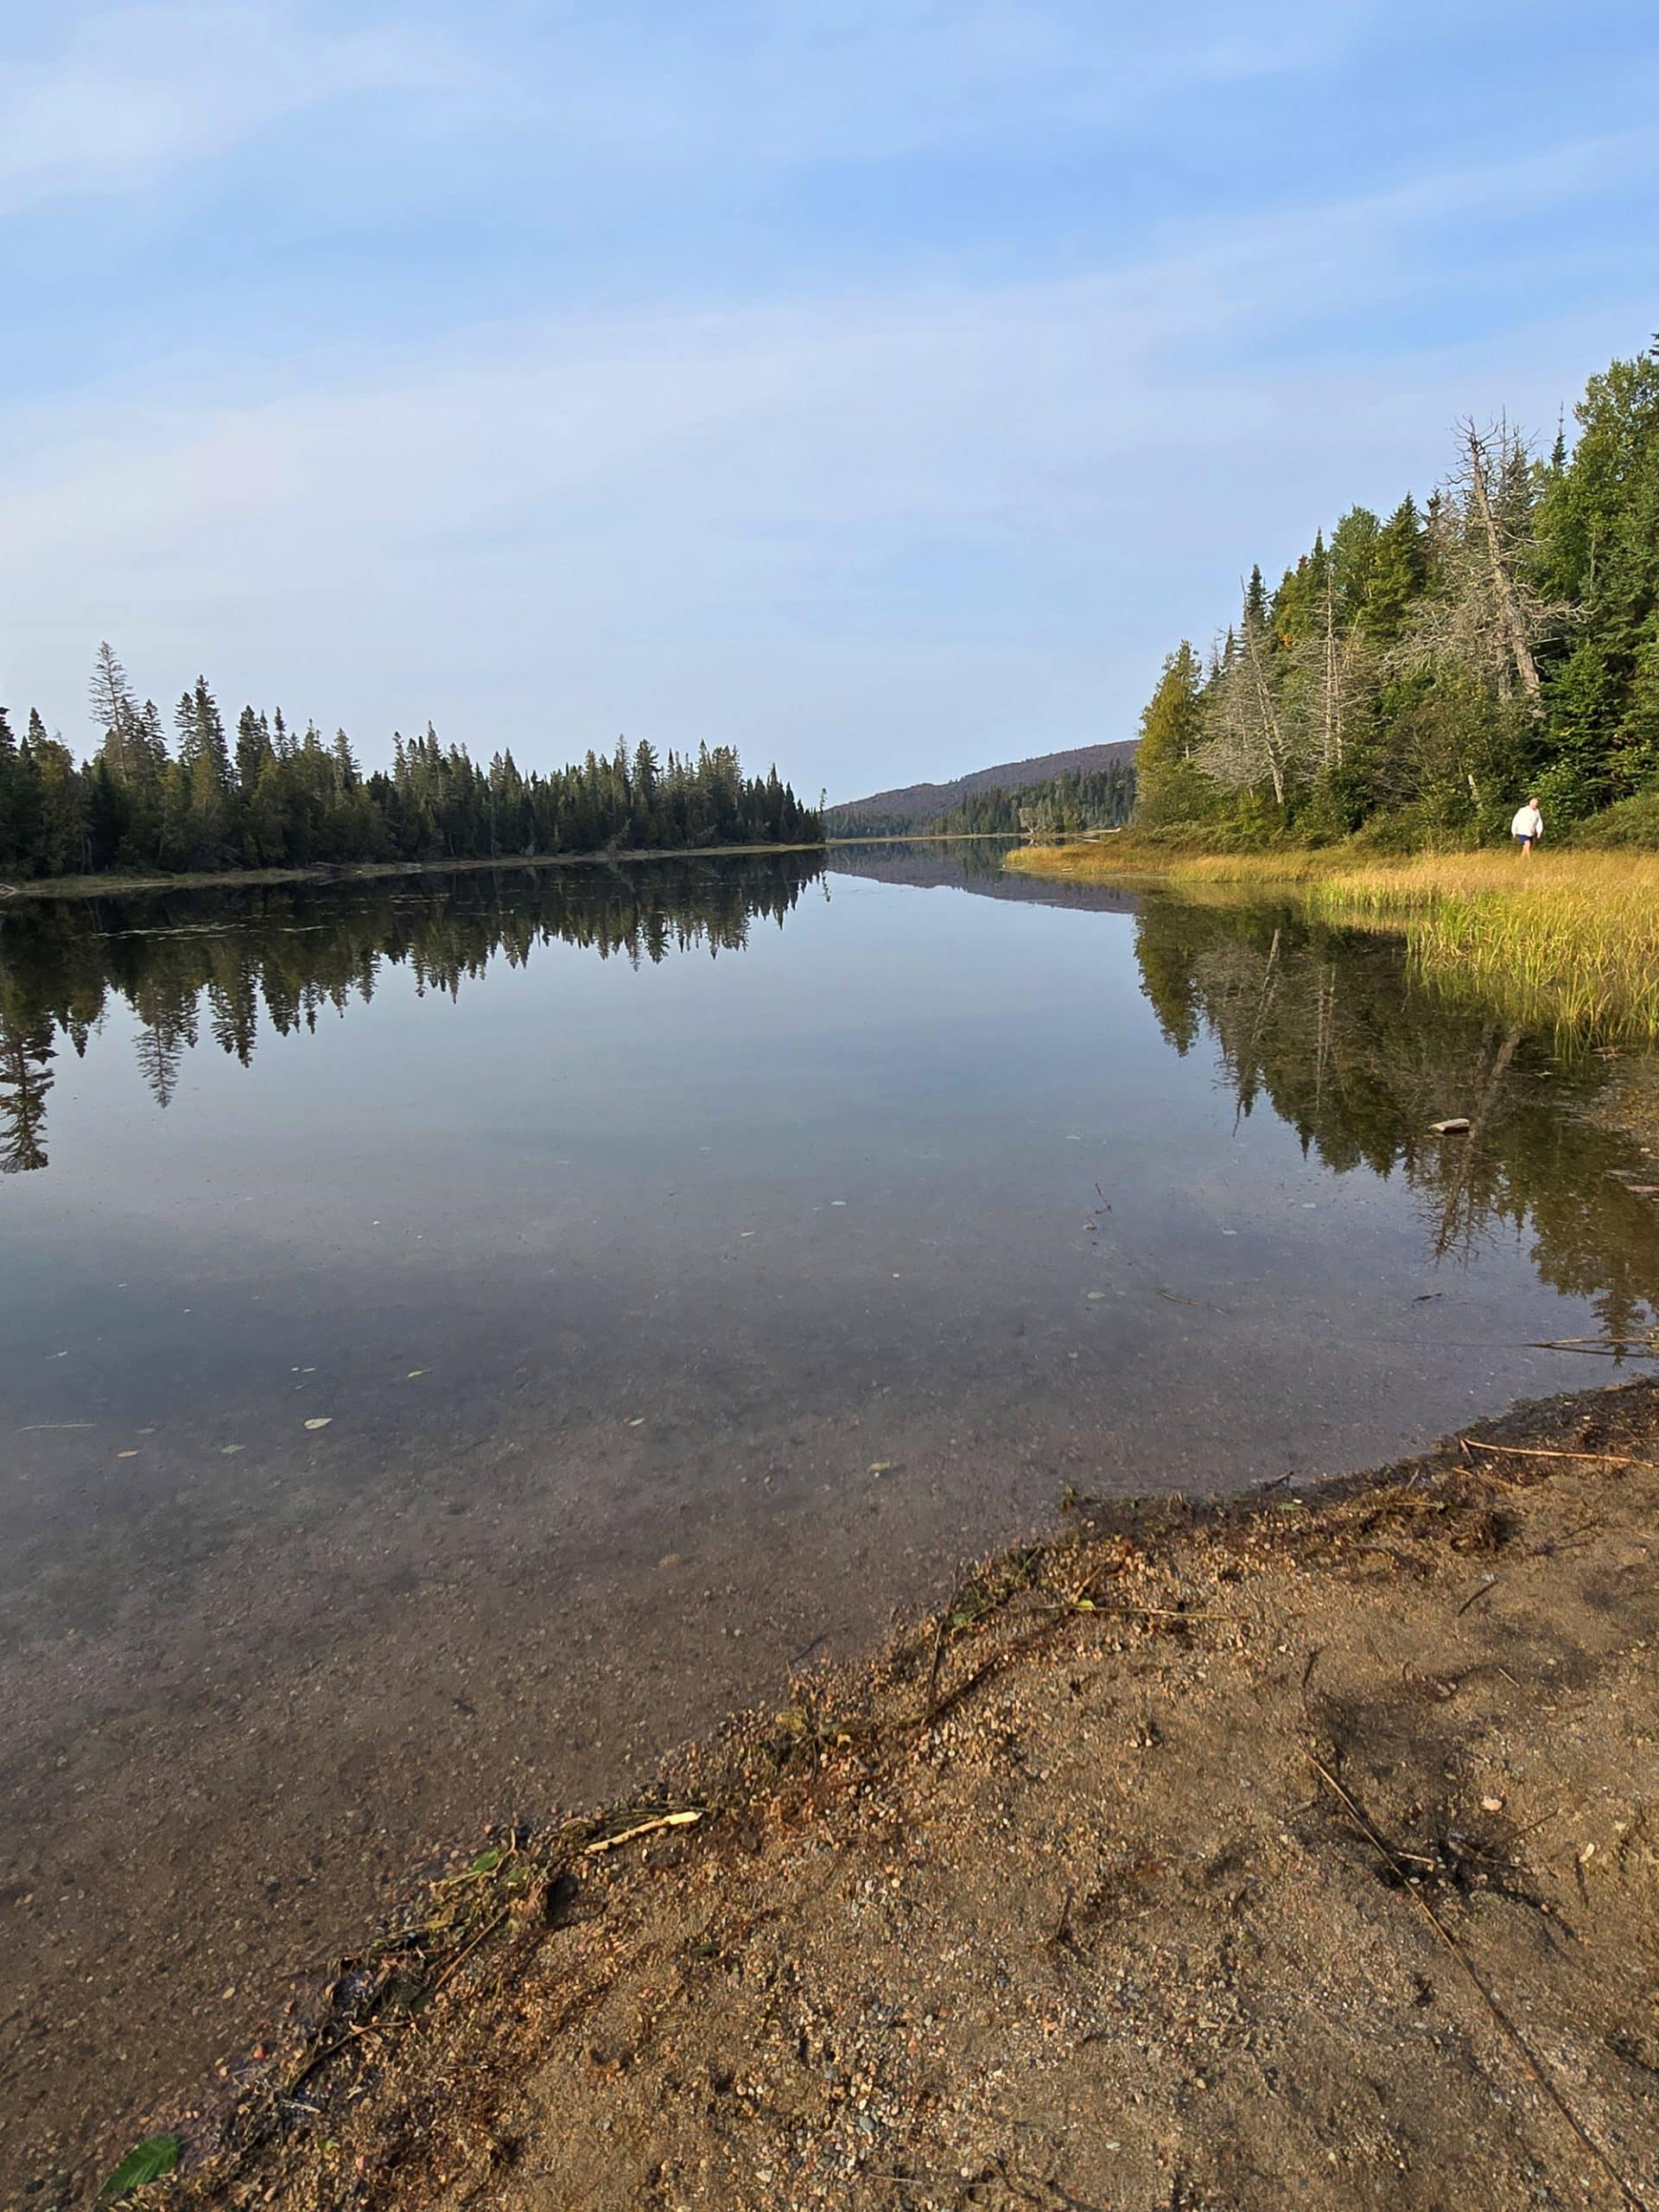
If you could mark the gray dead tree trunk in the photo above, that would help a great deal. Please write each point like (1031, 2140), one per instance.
(1503, 586)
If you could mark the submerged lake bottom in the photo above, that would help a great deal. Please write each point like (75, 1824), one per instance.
(461, 1338)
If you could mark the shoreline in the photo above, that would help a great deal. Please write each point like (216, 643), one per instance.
(1200, 1827)
(1567, 940)
(327, 872)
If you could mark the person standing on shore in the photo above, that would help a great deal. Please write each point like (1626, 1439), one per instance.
(1528, 827)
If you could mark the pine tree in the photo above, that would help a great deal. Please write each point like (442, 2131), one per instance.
(1169, 784)
(1399, 573)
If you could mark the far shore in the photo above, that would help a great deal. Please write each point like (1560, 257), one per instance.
(115, 886)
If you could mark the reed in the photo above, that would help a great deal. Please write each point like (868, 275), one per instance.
(1567, 941)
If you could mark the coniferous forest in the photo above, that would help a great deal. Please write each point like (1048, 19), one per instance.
(1415, 677)
(269, 797)
(1098, 798)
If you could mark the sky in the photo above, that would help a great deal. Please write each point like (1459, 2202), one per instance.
(883, 386)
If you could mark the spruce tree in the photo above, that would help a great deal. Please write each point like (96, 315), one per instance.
(1169, 784)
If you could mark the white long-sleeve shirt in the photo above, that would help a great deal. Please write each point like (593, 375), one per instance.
(1527, 822)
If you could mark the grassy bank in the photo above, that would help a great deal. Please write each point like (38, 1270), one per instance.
(1566, 939)
(111, 886)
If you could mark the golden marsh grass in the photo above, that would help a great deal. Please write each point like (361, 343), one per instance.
(1563, 940)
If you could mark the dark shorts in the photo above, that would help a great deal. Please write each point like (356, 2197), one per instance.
(1525, 843)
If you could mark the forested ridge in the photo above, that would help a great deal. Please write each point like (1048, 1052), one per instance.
(271, 797)
(1415, 677)
(1102, 798)
(910, 808)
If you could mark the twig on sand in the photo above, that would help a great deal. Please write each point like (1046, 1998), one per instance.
(687, 1819)
(1144, 1612)
(1394, 1860)
(1598, 1347)
(467, 1949)
(1488, 1584)
(932, 1705)
(1537, 1452)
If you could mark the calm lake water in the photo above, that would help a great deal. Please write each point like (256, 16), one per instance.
(450, 1331)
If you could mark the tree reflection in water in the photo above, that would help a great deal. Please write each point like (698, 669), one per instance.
(233, 960)
(1328, 1028)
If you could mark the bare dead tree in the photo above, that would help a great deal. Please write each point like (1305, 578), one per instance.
(1486, 618)
(1329, 668)
(1249, 739)
(1501, 544)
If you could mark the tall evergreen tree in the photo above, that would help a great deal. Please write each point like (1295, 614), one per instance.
(1170, 786)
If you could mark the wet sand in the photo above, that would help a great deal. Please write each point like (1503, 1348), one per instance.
(1298, 1851)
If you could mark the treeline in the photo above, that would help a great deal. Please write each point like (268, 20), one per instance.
(1415, 676)
(281, 958)
(1100, 798)
(271, 797)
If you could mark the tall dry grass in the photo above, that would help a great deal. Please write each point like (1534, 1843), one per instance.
(1568, 941)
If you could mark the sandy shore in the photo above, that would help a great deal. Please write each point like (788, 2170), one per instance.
(1297, 1851)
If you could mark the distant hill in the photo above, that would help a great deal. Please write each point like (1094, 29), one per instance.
(888, 813)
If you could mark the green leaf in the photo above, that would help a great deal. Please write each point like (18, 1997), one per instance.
(156, 2156)
(487, 1861)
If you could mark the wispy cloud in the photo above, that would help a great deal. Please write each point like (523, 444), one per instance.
(126, 94)
(387, 445)
(123, 95)
(755, 517)
(837, 80)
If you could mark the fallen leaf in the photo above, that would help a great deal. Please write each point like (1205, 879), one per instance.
(156, 2156)
(320, 1420)
(414, 1373)
(229, 1450)
(126, 1455)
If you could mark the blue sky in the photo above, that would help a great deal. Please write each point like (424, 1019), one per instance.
(882, 385)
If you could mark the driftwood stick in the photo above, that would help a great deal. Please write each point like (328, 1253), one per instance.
(683, 1820)
(1393, 1860)
(1537, 1452)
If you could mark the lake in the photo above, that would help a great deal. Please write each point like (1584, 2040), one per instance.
(460, 1335)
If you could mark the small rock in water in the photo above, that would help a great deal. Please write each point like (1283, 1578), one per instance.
(1453, 1128)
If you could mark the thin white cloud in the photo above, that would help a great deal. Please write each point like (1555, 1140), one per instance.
(129, 92)
(823, 525)
(823, 80)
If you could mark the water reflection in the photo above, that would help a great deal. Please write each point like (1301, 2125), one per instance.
(1327, 1028)
(214, 965)
(551, 1353)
